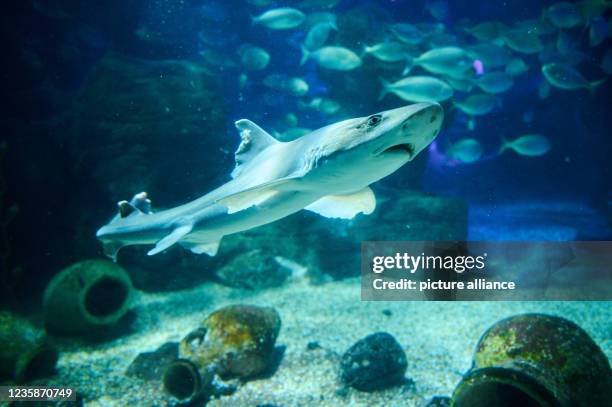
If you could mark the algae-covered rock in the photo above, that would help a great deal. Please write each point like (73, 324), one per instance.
(536, 360)
(86, 297)
(374, 363)
(237, 340)
(25, 353)
(253, 270)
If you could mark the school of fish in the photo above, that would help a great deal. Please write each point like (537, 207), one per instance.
(470, 67)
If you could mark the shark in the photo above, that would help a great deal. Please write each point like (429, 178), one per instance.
(328, 171)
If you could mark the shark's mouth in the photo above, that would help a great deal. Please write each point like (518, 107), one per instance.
(401, 148)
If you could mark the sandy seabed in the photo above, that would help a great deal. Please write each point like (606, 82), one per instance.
(438, 338)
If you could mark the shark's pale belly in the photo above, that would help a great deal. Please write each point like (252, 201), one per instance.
(212, 229)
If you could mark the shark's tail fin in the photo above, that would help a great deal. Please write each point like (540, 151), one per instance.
(385, 88)
(305, 55)
(139, 205)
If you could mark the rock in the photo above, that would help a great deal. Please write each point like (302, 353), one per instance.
(536, 359)
(25, 352)
(187, 382)
(374, 363)
(151, 365)
(234, 341)
(437, 401)
(253, 270)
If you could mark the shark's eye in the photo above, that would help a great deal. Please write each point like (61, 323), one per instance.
(374, 120)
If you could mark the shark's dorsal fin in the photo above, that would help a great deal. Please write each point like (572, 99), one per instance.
(125, 209)
(254, 140)
(345, 206)
(142, 202)
(170, 239)
(139, 204)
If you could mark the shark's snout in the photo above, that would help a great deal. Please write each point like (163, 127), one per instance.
(415, 127)
(425, 126)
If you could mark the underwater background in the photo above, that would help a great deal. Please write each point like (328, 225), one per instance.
(107, 99)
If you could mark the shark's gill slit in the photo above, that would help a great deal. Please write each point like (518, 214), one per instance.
(408, 148)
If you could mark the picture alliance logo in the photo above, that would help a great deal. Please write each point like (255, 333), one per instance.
(412, 264)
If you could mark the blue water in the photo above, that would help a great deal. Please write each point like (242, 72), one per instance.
(105, 99)
(55, 49)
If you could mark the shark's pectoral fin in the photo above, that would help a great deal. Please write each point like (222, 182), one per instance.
(257, 195)
(254, 140)
(210, 248)
(345, 206)
(170, 239)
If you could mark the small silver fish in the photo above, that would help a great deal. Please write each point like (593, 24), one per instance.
(333, 57)
(283, 18)
(389, 51)
(317, 35)
(418, 89)
(495, 82)
(523, 40)
(253, 58)
(563, 15)
(448, 61)
(407, 33)
(516, 67)
(565, 77)
(529, 145)
(466, 151)
(477, 105)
